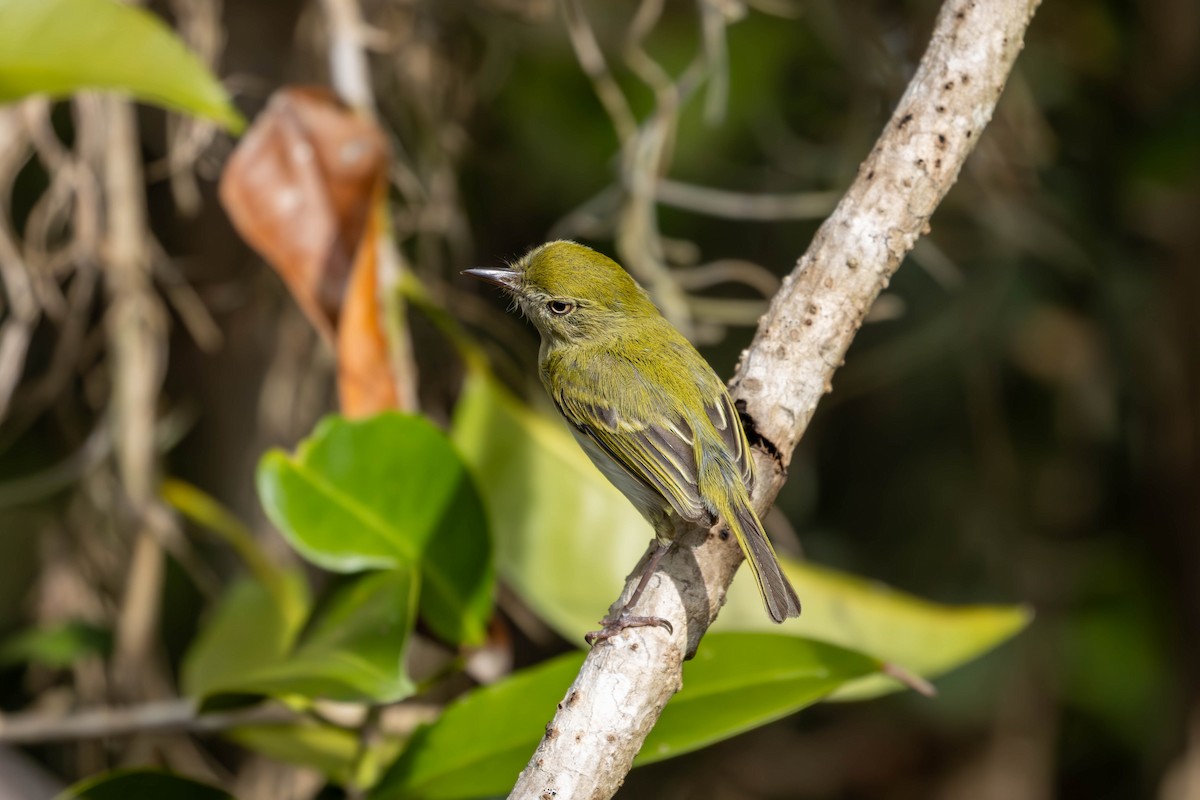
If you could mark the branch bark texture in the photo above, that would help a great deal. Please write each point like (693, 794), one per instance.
(626, 681)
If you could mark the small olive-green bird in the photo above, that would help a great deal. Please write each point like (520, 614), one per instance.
(648, 409)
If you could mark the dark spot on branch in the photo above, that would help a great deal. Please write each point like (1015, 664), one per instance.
(966, 79)
(948, 85)
(907, 118)
(754, 436)
(572, 698)
(551, 731)
(941, 109)
(870, 174)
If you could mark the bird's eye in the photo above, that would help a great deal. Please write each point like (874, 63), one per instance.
(560, 308)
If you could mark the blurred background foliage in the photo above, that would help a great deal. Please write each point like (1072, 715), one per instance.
(1020, 422)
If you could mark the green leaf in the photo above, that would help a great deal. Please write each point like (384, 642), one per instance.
(58, 47)
(480, 743)
(739, 681)
(354, 650)
(249, 631)
(735, 683)
(142, 784)
(388, 492)
(56, 645)
(920, 636)
(565, 539)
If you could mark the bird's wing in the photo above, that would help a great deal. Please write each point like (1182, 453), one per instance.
(660, 454)
(725, 418)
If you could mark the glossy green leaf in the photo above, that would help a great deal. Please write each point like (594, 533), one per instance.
(480, 743)
(248, 630)
(58, 47)
(353, 650)
(926, 638)
(735, 683)
(142, 784)
(55, 645)
(565, 539)
(388, 492)
(738, 681)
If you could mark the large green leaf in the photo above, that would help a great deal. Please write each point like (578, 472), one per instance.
(388, 492)
(922, 637)
(249, 629)
(353, 650)
(58, 47)
(142, 784)
(736, 682)
(565, 539)
(480, 743)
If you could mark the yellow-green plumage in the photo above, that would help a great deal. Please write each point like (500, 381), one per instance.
(647, 408)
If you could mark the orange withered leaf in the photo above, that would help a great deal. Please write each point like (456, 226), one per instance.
(299, 189)
(304, 188)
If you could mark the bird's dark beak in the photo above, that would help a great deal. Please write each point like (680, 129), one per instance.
(504, 278)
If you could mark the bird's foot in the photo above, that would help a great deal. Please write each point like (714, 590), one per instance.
(612, 625)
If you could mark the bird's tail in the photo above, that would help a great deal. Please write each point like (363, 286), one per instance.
(777, 593)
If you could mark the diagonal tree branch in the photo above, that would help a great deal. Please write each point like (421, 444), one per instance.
(626, 681)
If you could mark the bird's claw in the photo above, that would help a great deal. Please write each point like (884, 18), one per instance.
(614, 625)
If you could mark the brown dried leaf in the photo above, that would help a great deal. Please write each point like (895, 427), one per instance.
(305, 188)
(299, 189)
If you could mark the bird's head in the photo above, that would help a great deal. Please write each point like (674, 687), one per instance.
(570, 292)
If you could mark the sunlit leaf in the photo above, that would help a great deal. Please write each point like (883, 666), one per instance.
(382, 493)
(565, 540)
(736, 682)
(920, 636)
(248, 631)
(58, 47)
(142, 784)
(480, 743)
(353, 650)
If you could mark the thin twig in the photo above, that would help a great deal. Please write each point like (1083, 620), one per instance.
(181, 714)
(744, 205)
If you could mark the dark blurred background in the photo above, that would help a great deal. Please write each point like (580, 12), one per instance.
(1019, 423)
